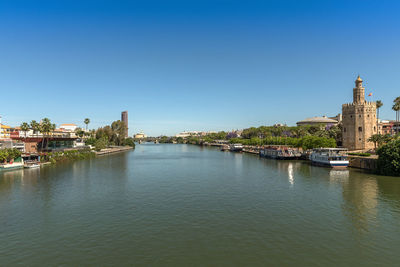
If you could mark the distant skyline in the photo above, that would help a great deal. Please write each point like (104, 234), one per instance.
(194, 65)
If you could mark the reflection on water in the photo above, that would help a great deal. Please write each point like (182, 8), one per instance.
(290, 173)
(339, 176)
(360, 191)
(361, 196)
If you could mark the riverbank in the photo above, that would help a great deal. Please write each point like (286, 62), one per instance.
(112, 150)
(359, 162)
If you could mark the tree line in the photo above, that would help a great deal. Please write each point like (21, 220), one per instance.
(114, 134)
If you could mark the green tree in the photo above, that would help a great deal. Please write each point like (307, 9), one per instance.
(101, 143)
(379, 104)
(118, 132)
(389, 158)
(46, 127)
(87, 121)
(377, 139)
(396, 108)
(129, 142)
(24, 127)
(35, 126)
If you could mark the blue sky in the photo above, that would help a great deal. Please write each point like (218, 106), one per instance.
(194, 65)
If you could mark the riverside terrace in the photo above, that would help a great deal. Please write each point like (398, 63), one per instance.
(58, 139)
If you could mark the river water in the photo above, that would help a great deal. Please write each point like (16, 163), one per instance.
(184, 205)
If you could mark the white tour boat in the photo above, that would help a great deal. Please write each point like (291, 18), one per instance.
(236, 147)
(331, 157)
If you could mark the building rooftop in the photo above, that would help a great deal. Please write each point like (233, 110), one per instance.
(323, 119)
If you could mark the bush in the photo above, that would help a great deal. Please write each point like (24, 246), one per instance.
(129, 142)
(101, 143)
(9, 154)
(389, 158)
(90, 141)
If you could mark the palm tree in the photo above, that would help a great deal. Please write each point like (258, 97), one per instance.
(24, 127)
(35, 126)
(376, 139)
(396, 108)
(87, 121)
(45, 128)
(379, 104)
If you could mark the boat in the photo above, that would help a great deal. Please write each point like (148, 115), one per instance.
(280, 152)
(12, 165)
(225, 148)
(236, 147)
(31, 164)
(331, 157)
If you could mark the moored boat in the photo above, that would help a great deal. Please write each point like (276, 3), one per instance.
(236, 147)
(225, 148)
(280, 152)
(13, 165)
(330, 157)
(31, 164)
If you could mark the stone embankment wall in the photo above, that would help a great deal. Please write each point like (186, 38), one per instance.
(363, 163)
(113, 150)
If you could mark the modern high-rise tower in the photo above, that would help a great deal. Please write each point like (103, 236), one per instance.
(124, 118)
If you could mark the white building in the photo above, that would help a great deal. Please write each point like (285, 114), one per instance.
(68, 127)
(140, 135)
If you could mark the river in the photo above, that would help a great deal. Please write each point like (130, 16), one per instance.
(184, 205)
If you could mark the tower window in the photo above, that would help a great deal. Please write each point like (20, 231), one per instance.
(351, 116)
(344, 129)
(368, 115)
(360, 129)
(359, 116)
(374, 129)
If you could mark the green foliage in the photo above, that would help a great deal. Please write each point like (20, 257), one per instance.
(165, 140)
(9, 154)
(129, 142)
(115, 134)
(24, 127)
(79, 132)
(101, 143)
(334, 131)
(68, 155)
(307, 142)
(86, 121)
(35, 126)
(389, 158)
(90, 141)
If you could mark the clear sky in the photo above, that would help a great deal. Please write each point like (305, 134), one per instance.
(194, 65)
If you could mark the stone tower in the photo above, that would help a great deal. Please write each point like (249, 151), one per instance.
(359, 120)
